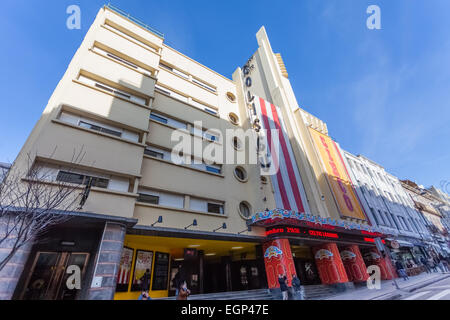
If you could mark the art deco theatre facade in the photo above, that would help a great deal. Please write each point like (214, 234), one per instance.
(224, 226)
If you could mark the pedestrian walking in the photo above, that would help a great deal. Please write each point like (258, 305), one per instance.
(145, 280)
(183, 292)
(401, 270)
(432, 265)
(425, 264)
(176, 281)
(443, 263)
(282, 279)
(298, 290)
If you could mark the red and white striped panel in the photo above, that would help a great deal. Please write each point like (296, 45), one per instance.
(289, 191)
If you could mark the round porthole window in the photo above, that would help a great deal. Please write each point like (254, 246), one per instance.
(245, 210)
(240, 174)
(234, 119)
(237, 143)
(231, 97)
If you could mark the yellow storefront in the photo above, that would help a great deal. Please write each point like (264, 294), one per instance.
(163, 255)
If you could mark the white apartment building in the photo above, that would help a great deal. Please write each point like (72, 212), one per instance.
(387, 204)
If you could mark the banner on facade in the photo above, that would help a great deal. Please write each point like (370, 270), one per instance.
(288, 186)
(337, 176)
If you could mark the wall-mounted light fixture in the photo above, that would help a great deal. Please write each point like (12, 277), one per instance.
(249, 229)
(224, 226)
(160, 220)
(193, 224)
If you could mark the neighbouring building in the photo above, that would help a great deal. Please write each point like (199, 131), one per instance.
(426, 203)
(4, 168)
(391, 209)
(443, 205)
(126, 101)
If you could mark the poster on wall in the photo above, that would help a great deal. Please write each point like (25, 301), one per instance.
(161, 273)
(144, 260)
(124, 274)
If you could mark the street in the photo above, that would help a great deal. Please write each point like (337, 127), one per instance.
(436, 291)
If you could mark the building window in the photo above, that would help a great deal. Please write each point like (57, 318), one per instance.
(375, 216)
(213, 170)
(158, 118)
(231, 97)
(233, 118)
(177, 72)
(112, 90)
(210, 111)
(210, 137)
(215, 208)
(244, 210)
(148, 198)
(204, 85)
(236, 143)
(240, 174)
(70, 177)
(100, 129)
(153, 153)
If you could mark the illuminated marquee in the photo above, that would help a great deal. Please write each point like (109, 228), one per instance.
(304, 232)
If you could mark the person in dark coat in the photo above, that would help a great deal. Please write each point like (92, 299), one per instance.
(145, 280)
(425, 264)
(401, 270)
(296, 284)
(282, 279)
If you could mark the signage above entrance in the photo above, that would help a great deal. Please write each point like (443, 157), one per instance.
(275, 217)
(307, 233)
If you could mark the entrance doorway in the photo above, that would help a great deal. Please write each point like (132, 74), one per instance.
(48, 277)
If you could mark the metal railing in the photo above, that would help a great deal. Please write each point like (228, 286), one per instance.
(131, 18)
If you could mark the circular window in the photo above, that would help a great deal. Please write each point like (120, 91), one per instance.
(240, 174)
(245, 210)
(237, 143)
(231, 97)
(233, 118)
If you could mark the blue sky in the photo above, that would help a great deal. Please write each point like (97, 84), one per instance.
(383, 93)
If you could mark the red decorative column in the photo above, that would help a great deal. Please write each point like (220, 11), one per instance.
(354, 264)
(329, 264)
(278, 259)
(374, 257)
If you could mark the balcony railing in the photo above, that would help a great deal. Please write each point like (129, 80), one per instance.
(131, 18)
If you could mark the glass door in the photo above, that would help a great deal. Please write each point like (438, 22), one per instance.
(48, 277)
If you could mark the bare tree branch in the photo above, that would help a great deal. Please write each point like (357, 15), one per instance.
(32, 201)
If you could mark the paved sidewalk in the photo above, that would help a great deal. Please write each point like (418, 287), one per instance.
(388, 290)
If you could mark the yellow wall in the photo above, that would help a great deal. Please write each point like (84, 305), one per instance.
(136, 243)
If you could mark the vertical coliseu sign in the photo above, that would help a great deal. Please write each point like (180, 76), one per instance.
(337, 176)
